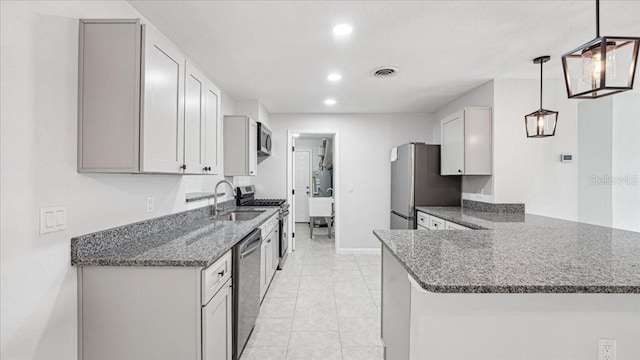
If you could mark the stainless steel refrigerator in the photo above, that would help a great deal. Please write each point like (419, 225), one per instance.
(416, 181)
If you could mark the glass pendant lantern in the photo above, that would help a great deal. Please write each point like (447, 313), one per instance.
(604, 66)
(542, 122)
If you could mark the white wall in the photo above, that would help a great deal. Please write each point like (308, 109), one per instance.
(626, 162)
(528, 170)
(609, 161)
(365, 144)
(39, 65)
(594, 159)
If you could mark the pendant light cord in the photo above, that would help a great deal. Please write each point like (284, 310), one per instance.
(597, 18)
(541, 63)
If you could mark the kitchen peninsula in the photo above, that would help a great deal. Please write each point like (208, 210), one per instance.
(514, 283)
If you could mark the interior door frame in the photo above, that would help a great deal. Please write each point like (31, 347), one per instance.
(336, 180)
(294, 179)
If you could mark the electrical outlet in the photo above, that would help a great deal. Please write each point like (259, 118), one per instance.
(150, 204)
(606, 349)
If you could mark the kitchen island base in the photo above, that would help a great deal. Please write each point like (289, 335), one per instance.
(550, 326)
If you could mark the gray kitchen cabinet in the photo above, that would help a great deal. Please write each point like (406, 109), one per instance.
(240, 146)
(467, 142)
(270, 253)
(396, 308)
(131, 99)
(201, 118)
(212, 125)
(194, 121)
(156, 312)
(217, 320)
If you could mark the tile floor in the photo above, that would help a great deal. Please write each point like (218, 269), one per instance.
(321, 306)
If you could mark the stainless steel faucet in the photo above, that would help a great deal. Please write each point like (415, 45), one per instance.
(215, 195)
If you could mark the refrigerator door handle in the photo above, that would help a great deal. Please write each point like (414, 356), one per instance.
(403, 216)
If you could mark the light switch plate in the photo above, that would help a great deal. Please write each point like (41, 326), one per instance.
(53, 219)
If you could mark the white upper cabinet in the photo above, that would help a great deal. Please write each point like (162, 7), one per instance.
(466, 142)
(201, 123)
(253, 148)
(240, 146)
(194, 121)
(212, 126)
(163, 112)
(142, 106)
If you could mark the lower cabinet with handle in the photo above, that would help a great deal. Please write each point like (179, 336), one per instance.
(430, 222)
(270, 253)
(153, 312)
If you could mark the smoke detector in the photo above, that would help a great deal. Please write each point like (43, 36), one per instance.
(384, 72)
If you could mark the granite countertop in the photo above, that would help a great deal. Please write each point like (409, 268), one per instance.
(193, 238)
(517, 253)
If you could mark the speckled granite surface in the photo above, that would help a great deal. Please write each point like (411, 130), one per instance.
(190, 238)
(489, 207)
(517, 254)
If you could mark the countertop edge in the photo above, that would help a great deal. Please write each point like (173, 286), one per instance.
(515, 289)
(171, 263)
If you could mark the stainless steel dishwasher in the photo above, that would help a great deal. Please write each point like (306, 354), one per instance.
(246, 289)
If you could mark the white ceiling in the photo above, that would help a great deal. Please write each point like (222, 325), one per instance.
(282, 51)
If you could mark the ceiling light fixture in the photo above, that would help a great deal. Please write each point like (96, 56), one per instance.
(334, 77)
(342, 29)
(330, 102)
(604, 66)
(541, 123)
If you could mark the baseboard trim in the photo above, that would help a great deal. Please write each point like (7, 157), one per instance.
(358, 251)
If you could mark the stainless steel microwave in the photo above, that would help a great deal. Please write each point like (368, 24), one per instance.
(264, 140)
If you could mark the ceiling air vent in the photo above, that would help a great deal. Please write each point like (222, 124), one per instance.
(384, 72)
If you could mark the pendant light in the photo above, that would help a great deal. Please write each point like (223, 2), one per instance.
(604, 66)
(542, 122)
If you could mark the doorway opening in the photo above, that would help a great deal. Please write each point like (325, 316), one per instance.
(312, 183)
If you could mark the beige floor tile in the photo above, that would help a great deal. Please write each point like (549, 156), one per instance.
(348, 276)
(315, 321)
(271, 332)
(277, 307)
(360, 331)
(356, 307)
(280, 290)
(363, 353)
(264, 353)
(354, 289)
(314, 345)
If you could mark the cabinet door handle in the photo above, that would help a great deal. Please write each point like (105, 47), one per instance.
(460, 171)
(183, 167)
(221, 273)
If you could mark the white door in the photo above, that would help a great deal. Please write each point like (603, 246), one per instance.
(163, 112)
(253, 148)
(212, 128)
(302, 163)
(452, 152)
(194, 121)
(217, 328)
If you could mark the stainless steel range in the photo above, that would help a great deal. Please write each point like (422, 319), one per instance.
(245, 196)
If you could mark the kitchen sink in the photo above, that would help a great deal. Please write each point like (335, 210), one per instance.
(239, 215)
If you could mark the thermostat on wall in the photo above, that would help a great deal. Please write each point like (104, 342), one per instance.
(566, 158)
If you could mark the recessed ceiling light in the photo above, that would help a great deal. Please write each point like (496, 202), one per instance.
(330, 102)
(334, 77)
(342, 29)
